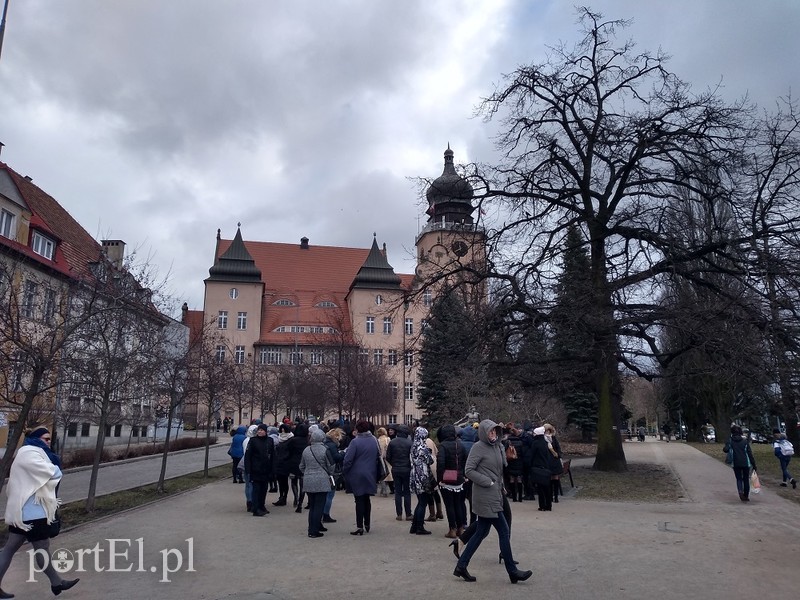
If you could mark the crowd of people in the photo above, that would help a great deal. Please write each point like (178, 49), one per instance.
(468, 476)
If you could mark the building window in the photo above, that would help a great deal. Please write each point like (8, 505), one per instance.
(29, 299)
(387, 325)
(222, 319)
(134, 431)
(143, 431)
(395, 389)
(317, 357)
(72, 430)
(296, 356)
(409, 420)
(85, 427)
(49, 306)
(409, 326)
(423, 325)
(283, 302)
(370, 325)
(233, 293)
(378, 299)
(392, 359)
(239, 355)
(409, 358)
(43, 246)
(427, 298)
(271, 356)
(326, 304)
(7, 228)
(377, 357)
(363, 355)
(241, 321)
(220, 355)
(392, 419)
(409, 391)
(117, 430)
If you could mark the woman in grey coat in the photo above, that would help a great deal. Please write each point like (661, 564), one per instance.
(485, 469)
(317, 468)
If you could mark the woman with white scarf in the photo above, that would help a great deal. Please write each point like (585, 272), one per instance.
(32, 505)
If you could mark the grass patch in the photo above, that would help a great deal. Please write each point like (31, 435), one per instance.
(640, 483)
(74, 513)
(769, 470)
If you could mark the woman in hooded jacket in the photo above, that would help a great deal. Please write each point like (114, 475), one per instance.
(485, 468)
(248, 483)
(236, 452)
(421, 481)
(742, 461)
(317, 469)
(332, 439)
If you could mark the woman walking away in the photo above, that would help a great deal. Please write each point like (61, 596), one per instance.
(317, 468)
(236, 452)
(422, 481)
(541, 462)
(784, 451)
(259, 461)
(398, 455)
(31, 506)
(451, 460)
(360, 469)
(556, 466)
(740, 456)
(485, 469)
(296, 445)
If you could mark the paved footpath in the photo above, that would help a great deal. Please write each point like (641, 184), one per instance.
(709, 545)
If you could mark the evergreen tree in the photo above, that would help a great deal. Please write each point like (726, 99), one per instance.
(452, 374)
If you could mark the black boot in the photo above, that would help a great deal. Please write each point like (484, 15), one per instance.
(281, 501)
(517, 575)
(464, 574)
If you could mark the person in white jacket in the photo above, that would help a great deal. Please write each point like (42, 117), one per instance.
(31, 507)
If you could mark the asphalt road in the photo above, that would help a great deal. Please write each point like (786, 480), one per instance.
(122, 475)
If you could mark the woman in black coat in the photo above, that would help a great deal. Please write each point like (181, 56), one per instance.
(259, 460)
(295, 448)
(542, 468)
(452, 456)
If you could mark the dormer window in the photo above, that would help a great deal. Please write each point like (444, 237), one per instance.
(283, 302)
(7, 224)
(42, 245)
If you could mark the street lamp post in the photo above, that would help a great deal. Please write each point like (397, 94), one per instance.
(3, 25)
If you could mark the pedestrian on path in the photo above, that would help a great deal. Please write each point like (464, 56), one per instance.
(260, 464)
(236, 452)
(360, 470)
(485, 469)
(32, 504)
(740, 456)
(784, 451)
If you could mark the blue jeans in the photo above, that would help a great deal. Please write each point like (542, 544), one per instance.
(481, 531)
(402, 494)
(328, 503)
(784, 460)
(248, 488)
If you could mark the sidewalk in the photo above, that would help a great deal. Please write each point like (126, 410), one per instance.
(708, 545)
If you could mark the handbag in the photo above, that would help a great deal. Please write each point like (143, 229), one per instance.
(450, 476)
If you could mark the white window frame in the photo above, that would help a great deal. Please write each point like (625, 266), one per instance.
(377, 357)
(222, 319)
(392, 359)
(427, 297)
(387, 325)
(370, 325)
(7, 228)
(220, 354)
(43, 245)
(409, 326)
(409, 391)
(239, 355)
(241, 321)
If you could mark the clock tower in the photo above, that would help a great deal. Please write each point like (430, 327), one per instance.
(450, 240)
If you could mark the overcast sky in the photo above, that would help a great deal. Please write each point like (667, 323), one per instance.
(158, 122)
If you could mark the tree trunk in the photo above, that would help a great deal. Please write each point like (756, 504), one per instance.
(98, 455)
(162, 475)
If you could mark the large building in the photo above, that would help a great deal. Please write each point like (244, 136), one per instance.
(54, 276)
(281, 308)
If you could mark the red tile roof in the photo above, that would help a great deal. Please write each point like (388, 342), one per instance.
(76, 248)
(306, 277)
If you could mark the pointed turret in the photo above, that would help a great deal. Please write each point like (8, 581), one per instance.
(235, 264)
(376, 272)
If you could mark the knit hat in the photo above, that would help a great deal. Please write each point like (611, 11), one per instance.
(37, 433)
(263, 426)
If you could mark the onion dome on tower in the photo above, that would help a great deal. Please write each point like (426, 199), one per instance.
(450, 195)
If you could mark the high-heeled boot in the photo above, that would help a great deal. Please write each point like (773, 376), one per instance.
(554, 489)
(520, 491)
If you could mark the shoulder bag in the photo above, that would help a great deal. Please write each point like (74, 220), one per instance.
(450, 476)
